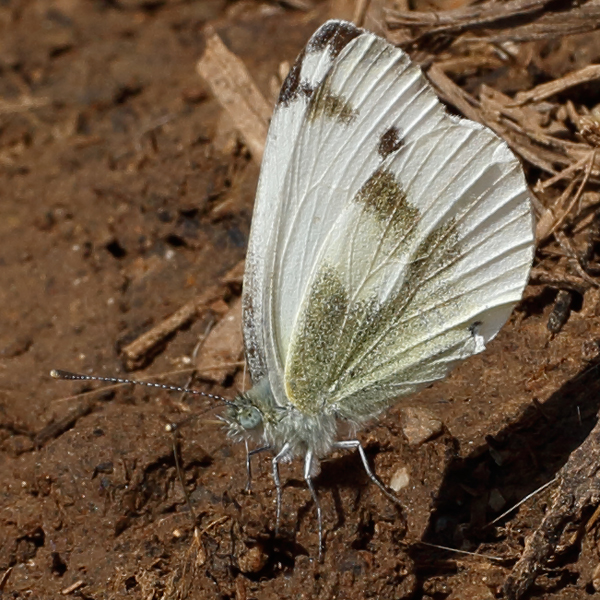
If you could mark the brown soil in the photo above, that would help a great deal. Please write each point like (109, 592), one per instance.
(124, 195)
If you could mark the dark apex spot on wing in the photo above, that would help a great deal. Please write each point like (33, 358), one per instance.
(390, 141)
(289, 89)
(335, 34)
(293, 86)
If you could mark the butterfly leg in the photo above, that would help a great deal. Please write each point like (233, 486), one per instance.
(355, 444)
(276, 460)
(308, 470)
(249, 455)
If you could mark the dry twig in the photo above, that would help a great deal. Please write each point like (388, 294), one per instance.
(467, 17)
(25, 104)
(579, 488)
(235, 89)
(577, 20)
(137, 352)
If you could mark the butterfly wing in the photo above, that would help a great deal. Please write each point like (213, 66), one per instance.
(401, 238)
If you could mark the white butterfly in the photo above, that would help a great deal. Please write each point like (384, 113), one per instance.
(389, 242)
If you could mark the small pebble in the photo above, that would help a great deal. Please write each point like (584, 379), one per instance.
(18, 346)
(400, 479)
(253, 560)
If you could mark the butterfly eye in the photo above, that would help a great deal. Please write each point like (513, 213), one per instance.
(249, 417)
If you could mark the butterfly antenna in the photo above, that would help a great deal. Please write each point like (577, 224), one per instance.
(58, 374)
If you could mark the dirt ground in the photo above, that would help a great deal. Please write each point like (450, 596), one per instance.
(124, 195)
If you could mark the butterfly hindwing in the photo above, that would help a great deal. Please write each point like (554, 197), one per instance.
(419, 271)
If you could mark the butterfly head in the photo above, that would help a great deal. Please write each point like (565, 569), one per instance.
(241, 414)
(251, 412)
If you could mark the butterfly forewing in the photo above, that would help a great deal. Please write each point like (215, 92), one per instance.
(370, 103)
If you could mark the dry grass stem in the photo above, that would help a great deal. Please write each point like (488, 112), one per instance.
(545, 90)
(466, 17)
